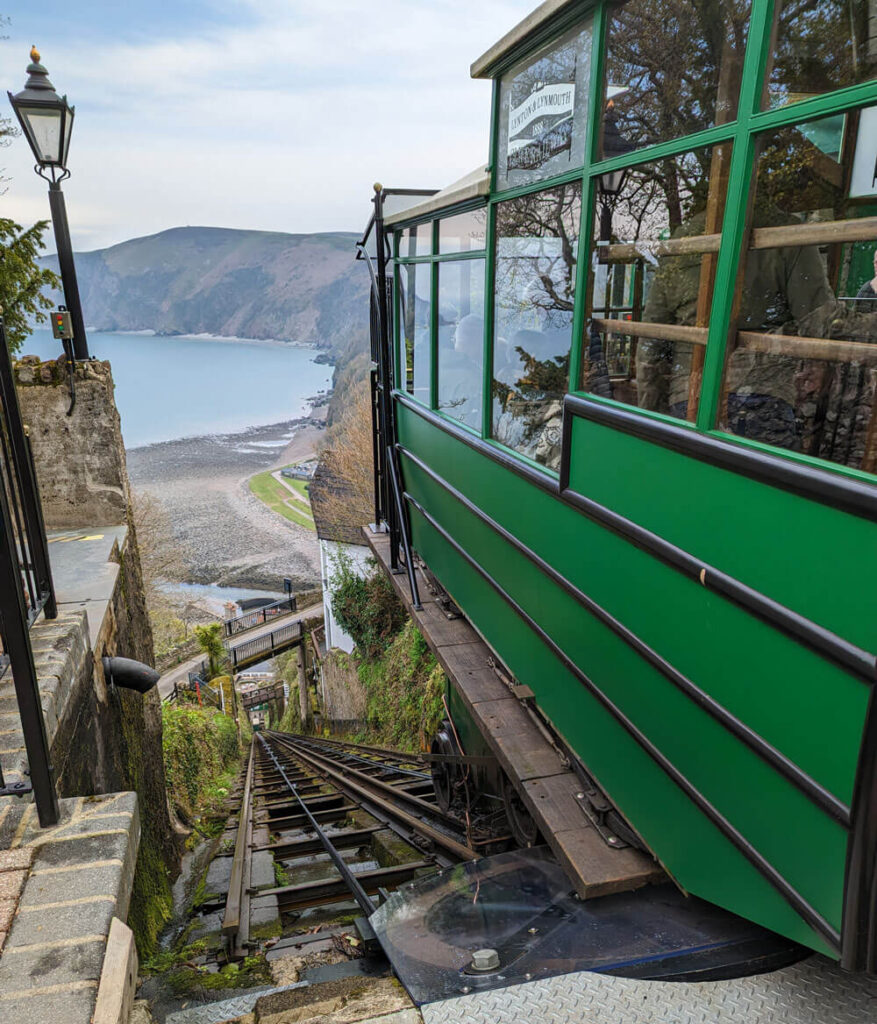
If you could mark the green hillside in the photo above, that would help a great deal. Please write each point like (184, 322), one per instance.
(251, 284)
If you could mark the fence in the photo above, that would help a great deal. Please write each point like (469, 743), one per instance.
(261, 648)
(25, 588)
(260, 616)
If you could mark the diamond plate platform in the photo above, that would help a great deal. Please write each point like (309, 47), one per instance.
(227, 1009)
(814, 991)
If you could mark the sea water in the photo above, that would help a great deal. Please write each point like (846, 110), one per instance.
(184, 386)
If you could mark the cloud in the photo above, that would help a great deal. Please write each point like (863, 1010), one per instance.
(279, 117)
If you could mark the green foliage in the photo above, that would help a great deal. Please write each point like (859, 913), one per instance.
(152, 901)
(201, 756)
(366, 608)
(183, 977)
(209, 639)
(22, 279)
(404, 689)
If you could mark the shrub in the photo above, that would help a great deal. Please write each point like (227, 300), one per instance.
(404, 690)
(366, 607)
(201, 755)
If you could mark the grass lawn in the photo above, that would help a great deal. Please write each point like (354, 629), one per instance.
(301, 486)
(279, 499)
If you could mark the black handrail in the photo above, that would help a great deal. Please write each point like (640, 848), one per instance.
(248, 620)
(263, 647)
(26, 588)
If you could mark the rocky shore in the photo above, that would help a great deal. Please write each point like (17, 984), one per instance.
(228, 536)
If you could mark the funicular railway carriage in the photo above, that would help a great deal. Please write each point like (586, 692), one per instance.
(627, 376)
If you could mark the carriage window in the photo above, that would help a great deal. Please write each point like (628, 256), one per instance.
(543, 111)
(416, 241)
(820, 46)
(657, 232)
(463, 233)
(461, 339)
(536, 240)
(414, 332)
(802, 371)
(652, 50)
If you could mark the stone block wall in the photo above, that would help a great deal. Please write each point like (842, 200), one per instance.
(80, 459)
(104, 740)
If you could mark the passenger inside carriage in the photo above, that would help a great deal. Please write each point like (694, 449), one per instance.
(802, 364)
(801, 360)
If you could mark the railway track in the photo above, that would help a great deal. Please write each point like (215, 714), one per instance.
(337, 822)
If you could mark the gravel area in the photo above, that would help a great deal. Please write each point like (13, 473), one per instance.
(229, 536)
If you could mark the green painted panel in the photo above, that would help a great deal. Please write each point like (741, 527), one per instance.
(758, 801)
(696, 853)
(810, 557)
(752, 669)
(797, 700)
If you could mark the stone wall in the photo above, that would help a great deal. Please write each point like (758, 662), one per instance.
(80, 458)
(107, 739)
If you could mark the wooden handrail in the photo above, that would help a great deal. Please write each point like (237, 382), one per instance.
(798, 346)
(809, 348)
(663, 332)
(626, 252)
(858, 229)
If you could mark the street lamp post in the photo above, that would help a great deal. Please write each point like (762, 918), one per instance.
(611, 182)
(47, 122)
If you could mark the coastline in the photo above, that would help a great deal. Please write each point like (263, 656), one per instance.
(228, 536)
(230, 338)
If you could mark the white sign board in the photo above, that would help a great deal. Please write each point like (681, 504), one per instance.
(864, 177)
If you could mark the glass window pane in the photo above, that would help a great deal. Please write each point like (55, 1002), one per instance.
(802, 370)
(543, 111)
(461, 339)
(464, 232)
(821, 45)
(536, 242)
(416, 240)
(414, 329)
(672, 69)
(658, 230)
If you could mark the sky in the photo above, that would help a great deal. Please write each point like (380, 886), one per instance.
(269, 114)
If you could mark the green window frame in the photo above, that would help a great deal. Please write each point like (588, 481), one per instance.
(741, 133)
(433, 259)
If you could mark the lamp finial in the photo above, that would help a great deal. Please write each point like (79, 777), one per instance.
(35, 55)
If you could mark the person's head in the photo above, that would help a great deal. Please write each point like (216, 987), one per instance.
(470, 337)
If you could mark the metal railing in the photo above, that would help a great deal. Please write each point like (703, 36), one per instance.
(261, 648)
(253, 698)
(26, 588)
(249, 620)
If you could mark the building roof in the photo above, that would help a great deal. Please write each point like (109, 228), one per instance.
(472, 185)
(488, 63)
(327, 493)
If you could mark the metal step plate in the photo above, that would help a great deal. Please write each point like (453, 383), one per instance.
(814, 991)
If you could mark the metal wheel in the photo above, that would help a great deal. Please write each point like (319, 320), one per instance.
(523, 828)
(445, 774)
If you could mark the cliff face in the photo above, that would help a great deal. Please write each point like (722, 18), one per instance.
(250, 284)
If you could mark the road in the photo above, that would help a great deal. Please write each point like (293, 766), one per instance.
(180, 673)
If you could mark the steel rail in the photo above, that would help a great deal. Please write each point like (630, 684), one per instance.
(379, 751)
(236, 920)
(365, 790)
(394, 792)
(359, 894)
(386, 766)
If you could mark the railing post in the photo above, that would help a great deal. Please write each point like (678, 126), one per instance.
(16, 642)
(34, 541)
